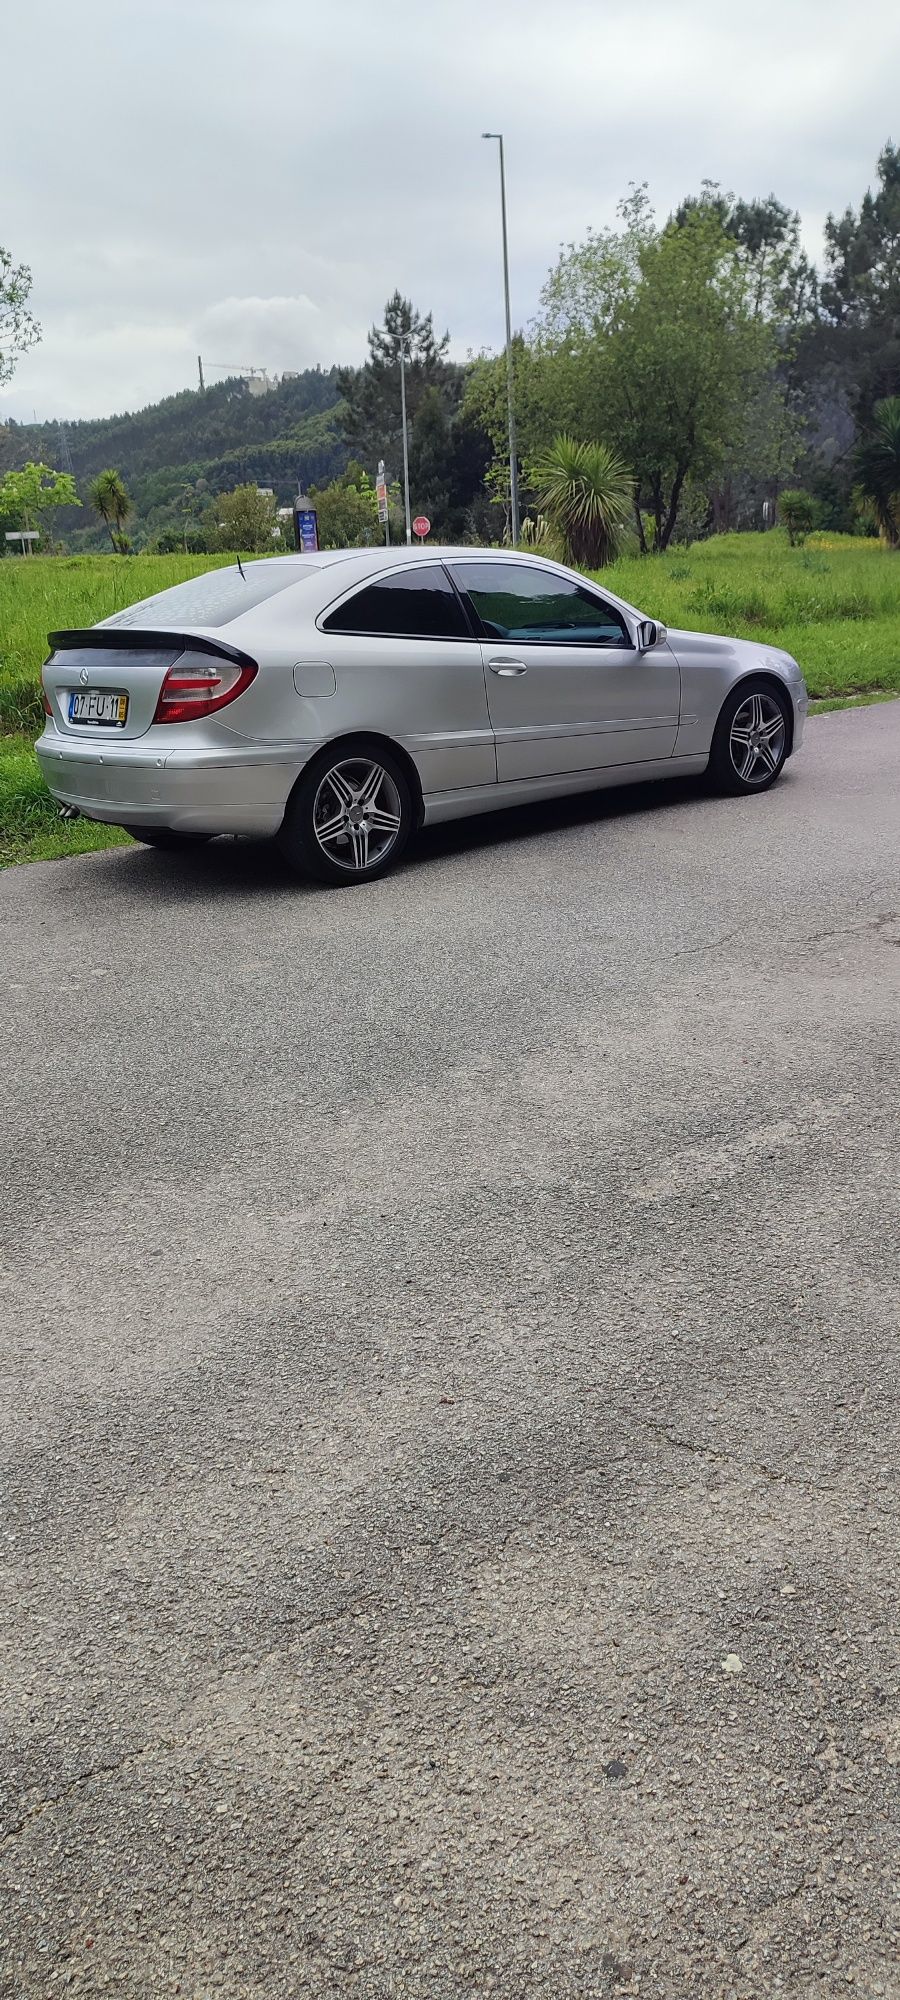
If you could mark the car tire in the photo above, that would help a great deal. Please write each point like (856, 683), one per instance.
(350, 815)
(751, 740)
(166, 836)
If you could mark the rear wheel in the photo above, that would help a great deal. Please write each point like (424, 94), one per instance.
(751, 740)
(350, 815)
(166, 836)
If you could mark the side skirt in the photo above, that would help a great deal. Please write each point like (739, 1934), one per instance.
(492, 798)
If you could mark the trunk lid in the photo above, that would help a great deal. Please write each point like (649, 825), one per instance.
(87, 670)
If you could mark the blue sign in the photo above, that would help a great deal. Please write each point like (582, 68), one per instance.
(306, 528)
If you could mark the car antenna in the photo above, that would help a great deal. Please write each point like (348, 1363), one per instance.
(241, 568)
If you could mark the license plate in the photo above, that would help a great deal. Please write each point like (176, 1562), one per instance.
(104, 710)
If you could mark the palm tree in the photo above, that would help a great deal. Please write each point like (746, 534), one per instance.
(878, 467)
(108, 495)
(586, 493)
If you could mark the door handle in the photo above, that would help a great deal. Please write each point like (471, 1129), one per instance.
(507, 669)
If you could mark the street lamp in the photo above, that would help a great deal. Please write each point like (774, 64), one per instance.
(404, 357)
(513, 469)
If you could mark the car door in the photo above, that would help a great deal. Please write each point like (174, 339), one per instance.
(408, 665)
(568, 689)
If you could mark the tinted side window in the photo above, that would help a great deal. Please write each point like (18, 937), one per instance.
(414, 605)
(517, 602)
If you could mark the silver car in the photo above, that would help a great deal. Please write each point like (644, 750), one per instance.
(338, 701)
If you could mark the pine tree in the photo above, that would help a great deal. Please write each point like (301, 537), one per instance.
(371, 420)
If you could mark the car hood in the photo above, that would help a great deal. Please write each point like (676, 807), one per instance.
(749, 655)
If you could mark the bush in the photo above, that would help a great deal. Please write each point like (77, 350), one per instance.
(799, 513)
(586, 494)
(244, 519)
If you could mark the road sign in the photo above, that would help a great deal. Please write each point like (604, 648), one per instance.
(381, 493)
(421, 526)
(306, 529)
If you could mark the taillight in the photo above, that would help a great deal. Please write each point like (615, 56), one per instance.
(196, 687)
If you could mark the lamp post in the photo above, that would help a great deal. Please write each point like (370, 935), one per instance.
(513, 468)
(403, 361)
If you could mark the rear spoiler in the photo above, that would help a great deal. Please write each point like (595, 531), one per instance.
(118, 639)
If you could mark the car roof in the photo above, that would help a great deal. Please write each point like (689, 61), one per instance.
(399, 552)
(374, 561)
(210, 603)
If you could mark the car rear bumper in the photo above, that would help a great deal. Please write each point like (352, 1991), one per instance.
(192, 791)
(800, 705)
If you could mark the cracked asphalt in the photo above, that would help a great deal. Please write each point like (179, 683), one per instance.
(449, 1408)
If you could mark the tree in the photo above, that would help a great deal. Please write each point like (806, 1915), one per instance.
(448, 461)
(108, 496)
(861, 289)
(781, 291)
(781, 282)
(244, 519)
(545, 402)
(347, 511)
(18, 328)
(30, 496)
(586, 494)
(371, 418)
(798, 512)
(661, 349)
(430, 461)
(878, 467)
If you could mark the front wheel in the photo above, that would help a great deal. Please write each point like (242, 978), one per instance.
(751, 740)
(166, 836)
(350, 816)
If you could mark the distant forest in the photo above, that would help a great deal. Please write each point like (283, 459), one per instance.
(174, 456)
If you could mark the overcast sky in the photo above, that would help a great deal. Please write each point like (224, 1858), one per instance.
(250, 179)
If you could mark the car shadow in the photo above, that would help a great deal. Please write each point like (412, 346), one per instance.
(231, 865)
(542, 816)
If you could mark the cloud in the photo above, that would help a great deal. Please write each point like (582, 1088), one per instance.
(264, 176)
(291, 332)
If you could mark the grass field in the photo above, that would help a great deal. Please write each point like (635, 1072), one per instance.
(834, 604)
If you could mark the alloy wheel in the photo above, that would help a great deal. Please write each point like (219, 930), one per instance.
(757, 738)
(357, 814)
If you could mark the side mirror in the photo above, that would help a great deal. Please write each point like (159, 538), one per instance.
(650, 634)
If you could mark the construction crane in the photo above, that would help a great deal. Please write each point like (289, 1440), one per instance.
(250, 375)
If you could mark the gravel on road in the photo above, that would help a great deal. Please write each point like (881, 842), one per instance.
(449, 1408)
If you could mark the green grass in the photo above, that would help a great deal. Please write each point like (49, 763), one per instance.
(42, 594)
(30, 825)
(848, 701)
(834, 604)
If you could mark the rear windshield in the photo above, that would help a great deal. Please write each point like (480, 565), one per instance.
(214, 598)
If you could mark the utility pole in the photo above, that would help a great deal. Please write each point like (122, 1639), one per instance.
(403, 359)
(513, 467)
(200, 372)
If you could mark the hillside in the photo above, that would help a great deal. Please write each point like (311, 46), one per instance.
(176, 454)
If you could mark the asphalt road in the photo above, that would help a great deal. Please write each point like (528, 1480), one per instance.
(449, 1408)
